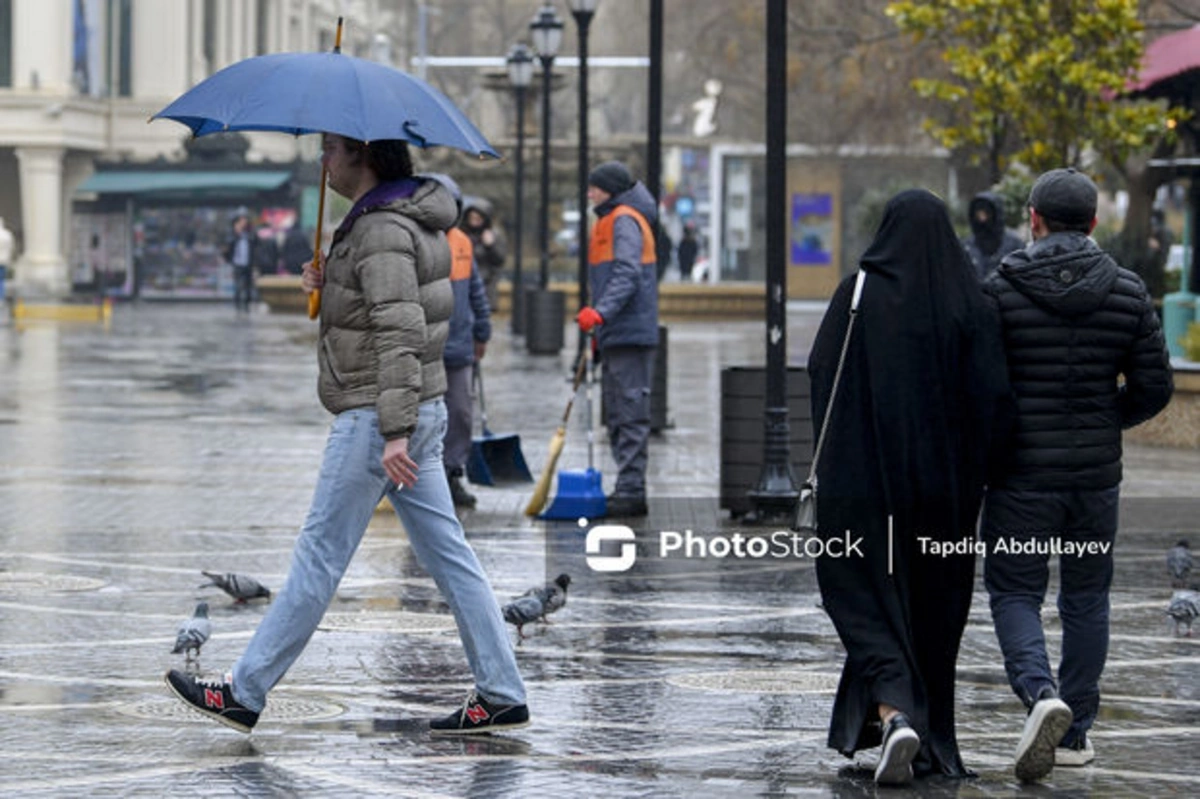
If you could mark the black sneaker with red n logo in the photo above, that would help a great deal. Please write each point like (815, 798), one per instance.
(213, 698)
(479, 717)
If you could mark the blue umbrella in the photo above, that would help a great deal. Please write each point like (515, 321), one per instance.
(325, 93)
(302, 93)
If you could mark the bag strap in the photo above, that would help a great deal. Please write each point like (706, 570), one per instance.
(837, 376)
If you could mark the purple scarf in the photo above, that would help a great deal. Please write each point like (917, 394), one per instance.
(381, 195)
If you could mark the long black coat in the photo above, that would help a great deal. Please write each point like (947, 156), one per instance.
(923, 401)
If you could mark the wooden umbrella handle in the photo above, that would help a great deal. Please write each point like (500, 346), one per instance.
(314, 299)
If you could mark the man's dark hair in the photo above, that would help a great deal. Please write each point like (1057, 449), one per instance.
(1056, 226)
(387, 158)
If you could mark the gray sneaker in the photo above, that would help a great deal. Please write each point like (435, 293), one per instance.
(1078, 754)
(900, 746)
(1045, 727)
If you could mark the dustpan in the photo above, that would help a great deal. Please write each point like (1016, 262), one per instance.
(580, 491)
(494, 459)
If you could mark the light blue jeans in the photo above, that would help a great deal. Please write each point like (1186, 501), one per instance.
(351, 483)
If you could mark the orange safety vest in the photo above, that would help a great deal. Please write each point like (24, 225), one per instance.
(600, 249)
(462, 254)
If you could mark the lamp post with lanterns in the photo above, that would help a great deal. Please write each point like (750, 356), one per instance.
(520, 74)
(583, 11)
(544, 318)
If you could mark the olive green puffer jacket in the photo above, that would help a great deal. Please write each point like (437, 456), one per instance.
(385, 310)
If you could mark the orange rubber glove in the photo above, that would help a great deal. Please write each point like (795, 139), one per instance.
(588, 318)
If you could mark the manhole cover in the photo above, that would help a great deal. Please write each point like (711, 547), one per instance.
(38, 582)
(281, 710)
(387, 622)
(755, 681)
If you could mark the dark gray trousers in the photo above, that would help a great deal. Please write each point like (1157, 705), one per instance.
(459, 418)
(1017, 583)
(628, 375)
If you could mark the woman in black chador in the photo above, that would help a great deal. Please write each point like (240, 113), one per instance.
(923, 402)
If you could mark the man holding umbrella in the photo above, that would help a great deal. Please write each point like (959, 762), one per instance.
(384, 319)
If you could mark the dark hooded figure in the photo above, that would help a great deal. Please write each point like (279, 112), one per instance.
(922, 403)
(990, 241)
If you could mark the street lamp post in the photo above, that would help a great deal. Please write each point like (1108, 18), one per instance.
(544, 322)
(583, 11)
(520, 73)
(776, 493)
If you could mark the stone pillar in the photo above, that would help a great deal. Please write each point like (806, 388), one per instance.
(42, 269)
(41, 56)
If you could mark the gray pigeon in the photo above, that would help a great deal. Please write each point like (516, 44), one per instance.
(537, 603)
(1184, 608)
(1179, 563)
(238, 586)
(193, 633)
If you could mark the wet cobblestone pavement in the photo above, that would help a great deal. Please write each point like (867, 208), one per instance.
(184, 438)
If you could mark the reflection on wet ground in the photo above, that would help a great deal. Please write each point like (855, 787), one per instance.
(186, 438)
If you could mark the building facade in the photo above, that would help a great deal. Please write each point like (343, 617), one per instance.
(79, 79)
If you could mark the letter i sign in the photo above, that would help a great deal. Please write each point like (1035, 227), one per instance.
(214, 699)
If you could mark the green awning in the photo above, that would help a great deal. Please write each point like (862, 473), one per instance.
(146, 182)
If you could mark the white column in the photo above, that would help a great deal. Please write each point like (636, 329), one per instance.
(42, 269)
(198, 69)
(160, 57)
(42, 40)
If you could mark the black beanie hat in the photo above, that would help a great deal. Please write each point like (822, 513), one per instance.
(1064, 195)
(612, 177)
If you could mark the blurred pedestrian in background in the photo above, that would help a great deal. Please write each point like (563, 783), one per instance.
(686, 252)
(487, 241)
(6, 253)
(297, 249)
(239, 252)
(266, 251)
(470, 331)
(913, 433)
(990, 240)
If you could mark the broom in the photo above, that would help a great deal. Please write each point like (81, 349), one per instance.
(541, 491)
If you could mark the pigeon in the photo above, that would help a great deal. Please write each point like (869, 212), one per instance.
(238, 586)
(537, 603)
(193, 633)
(1184, 608)
(1179, 563)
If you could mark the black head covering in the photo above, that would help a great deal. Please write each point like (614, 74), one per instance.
(922, 266)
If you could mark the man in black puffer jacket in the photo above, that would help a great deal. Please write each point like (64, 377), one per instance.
(1086, 359)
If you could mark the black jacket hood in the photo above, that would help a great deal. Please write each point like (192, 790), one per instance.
(993, 228)
(1065, 273)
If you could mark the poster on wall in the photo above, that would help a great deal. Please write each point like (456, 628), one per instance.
(812, 230)
(100, 254)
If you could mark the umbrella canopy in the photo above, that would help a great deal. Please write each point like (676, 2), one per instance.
(1168, 57)
(325, 93)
